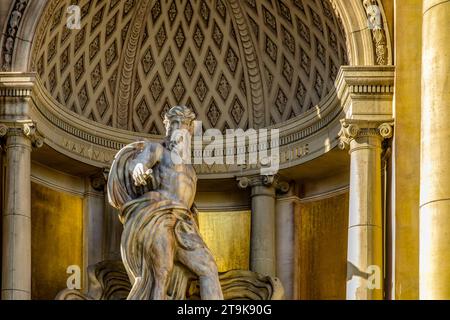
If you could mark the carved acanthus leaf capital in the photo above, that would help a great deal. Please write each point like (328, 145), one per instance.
(3, 130)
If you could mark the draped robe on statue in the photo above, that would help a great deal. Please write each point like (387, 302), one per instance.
(144, 213)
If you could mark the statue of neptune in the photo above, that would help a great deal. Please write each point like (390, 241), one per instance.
(153, 186)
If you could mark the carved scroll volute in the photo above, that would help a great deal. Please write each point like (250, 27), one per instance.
(3, 130)
(349, 131)
(27, 129)
(31, 132)
(386, 130)
(280, 185)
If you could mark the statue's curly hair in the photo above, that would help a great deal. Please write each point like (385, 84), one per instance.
(182, 112)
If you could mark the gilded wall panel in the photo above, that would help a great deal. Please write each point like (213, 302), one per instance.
(227, 235)
(57, 239)
(321, 248)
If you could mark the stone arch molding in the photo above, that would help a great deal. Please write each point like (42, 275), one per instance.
(96, 143)
(20, 28)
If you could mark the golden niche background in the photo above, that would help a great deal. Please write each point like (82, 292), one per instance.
(57, 239)
(320, 242)
(321, 248)
(227, 235)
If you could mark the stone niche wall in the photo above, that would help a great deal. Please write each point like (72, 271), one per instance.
(57, 239)
(321, 248)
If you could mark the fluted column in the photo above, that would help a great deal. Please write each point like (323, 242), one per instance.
(365, 229)
(435, 149)
(16, 257)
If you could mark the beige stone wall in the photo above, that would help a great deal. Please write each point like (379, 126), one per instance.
(389, 11)
(407, 106)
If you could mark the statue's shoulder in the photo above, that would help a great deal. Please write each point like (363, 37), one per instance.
(150, 146)
(145, 144)
(141, 146)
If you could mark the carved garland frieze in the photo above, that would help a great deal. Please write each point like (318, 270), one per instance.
(375, 22)
(11, 33)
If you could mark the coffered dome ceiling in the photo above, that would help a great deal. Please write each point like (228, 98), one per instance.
(235, 63)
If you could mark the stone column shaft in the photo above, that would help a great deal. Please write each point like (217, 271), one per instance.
(93, 204)
(262, 254)
(112, 226)
(113, 232)
(434, 275)
(16, 259)
(263, 225)
(365, 229)
(285, 243)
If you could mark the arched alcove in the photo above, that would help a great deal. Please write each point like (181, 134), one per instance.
(246, 64)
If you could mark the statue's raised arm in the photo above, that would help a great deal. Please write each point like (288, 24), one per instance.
(132, 174)
(142, 166)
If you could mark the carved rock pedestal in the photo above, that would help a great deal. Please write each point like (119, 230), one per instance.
(108, 280)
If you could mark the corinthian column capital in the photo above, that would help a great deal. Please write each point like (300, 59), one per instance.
(353, 129)
(26, 128)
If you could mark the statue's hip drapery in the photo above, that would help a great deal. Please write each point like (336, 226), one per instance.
(147, 222)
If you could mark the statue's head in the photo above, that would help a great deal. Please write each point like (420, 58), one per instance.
(179, 123)
(179, 118)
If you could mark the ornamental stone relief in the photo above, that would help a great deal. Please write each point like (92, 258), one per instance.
(234, 63)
